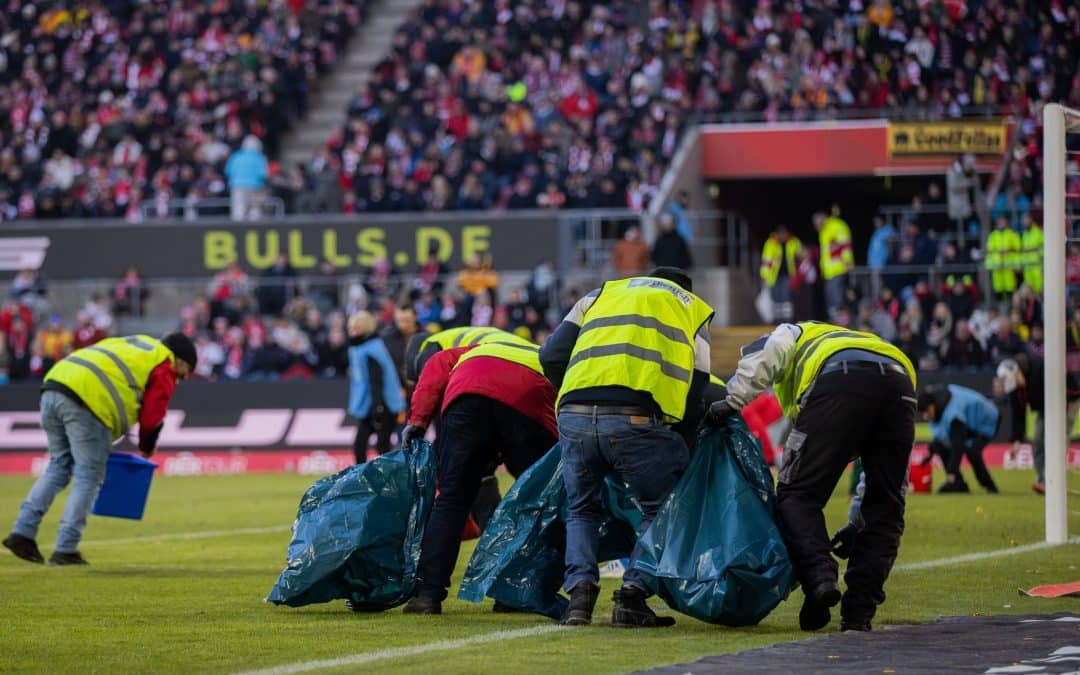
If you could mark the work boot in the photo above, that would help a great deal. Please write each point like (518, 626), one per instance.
(58, 559)
(582, 600)
(815, 614)
(959, 487)
(420, 604)
(859, 625)
(24, 547)
(631, 611)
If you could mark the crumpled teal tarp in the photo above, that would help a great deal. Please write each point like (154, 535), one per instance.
(519, 558)
(358, 533)
(714, 545)
(713, 551)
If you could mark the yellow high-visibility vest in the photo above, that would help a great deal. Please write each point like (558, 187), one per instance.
(639, 334)
(522, 354)
(817, 343)
(773, 255)
(468, 335)
(836, 255)
(110, 377)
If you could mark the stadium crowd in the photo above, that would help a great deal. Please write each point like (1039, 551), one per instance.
(545, 103)
(106, 104)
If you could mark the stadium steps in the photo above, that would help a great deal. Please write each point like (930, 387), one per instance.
(332, 94)
(726, 343)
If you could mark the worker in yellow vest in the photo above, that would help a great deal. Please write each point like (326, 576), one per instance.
(89, 399)
(837, 258)
(631, 361)
(779, 264)
(423, 345)
(1031, 252)
(1003, 259)
(848, 394)
(497, 408)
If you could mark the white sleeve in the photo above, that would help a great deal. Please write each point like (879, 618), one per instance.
(576, 315)
(762, 364)
(703, 350)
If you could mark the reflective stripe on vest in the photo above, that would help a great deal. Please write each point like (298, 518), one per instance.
(109, 377)
(466, 336)
(522, 354)
(817, 343)
(639, 333)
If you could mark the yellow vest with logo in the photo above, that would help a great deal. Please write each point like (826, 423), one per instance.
(836, 255)
(639, 334)
(773, 255)
(467, 336)
(110, 376)
(817, 343)
(527, 355)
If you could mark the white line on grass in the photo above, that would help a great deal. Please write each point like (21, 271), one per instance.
(184, 536)
(975, 557)
(402, 652)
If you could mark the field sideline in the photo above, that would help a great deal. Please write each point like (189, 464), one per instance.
(181, 591)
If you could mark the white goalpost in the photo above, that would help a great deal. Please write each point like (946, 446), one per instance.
(1058, 122)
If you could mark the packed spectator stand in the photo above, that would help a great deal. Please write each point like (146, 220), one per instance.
(549, 104)
(545, 103)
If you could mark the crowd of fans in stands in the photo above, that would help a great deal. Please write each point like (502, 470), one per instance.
(106, 104)
(532, 104)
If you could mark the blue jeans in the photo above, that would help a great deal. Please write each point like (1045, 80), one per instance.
(78, 445)
(649, 457)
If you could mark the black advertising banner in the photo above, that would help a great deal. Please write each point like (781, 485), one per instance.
(290, 415)
(164, 249)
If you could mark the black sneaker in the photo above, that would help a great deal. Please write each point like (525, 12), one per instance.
(58, 558)
(24, 547)
(503, 608)
(420, 604)
(815, 613)
(582, 600)
(862, 626)
(631, 611)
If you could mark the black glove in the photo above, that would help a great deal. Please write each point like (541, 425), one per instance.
(412, 433)
(718, 412)
(843, 541)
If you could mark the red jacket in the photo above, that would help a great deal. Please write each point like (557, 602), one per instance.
(524, 390)
(160, 387)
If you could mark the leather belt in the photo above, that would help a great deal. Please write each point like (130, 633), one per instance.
(624, 410)
(849, 366)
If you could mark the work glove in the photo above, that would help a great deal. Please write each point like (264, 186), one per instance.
(411, 433)
(718, 412)
(843, 541)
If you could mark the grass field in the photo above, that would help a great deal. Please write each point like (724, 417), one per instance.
(181, 591)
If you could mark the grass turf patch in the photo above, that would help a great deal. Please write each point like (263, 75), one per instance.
(194, 604)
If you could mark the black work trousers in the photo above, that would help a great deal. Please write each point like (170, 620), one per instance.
(476, 433)
(972, 448)
(861, 413)
(380, 422)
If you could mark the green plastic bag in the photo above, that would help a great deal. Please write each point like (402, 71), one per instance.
(519, 558)
(358, 533)
(713, 551)
(714, 546)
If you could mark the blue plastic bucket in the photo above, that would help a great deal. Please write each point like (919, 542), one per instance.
(126, 487)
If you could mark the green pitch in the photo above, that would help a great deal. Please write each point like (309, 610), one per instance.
(182, 591)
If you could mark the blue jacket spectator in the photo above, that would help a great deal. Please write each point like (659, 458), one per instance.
(877, 254)
(247, 167)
